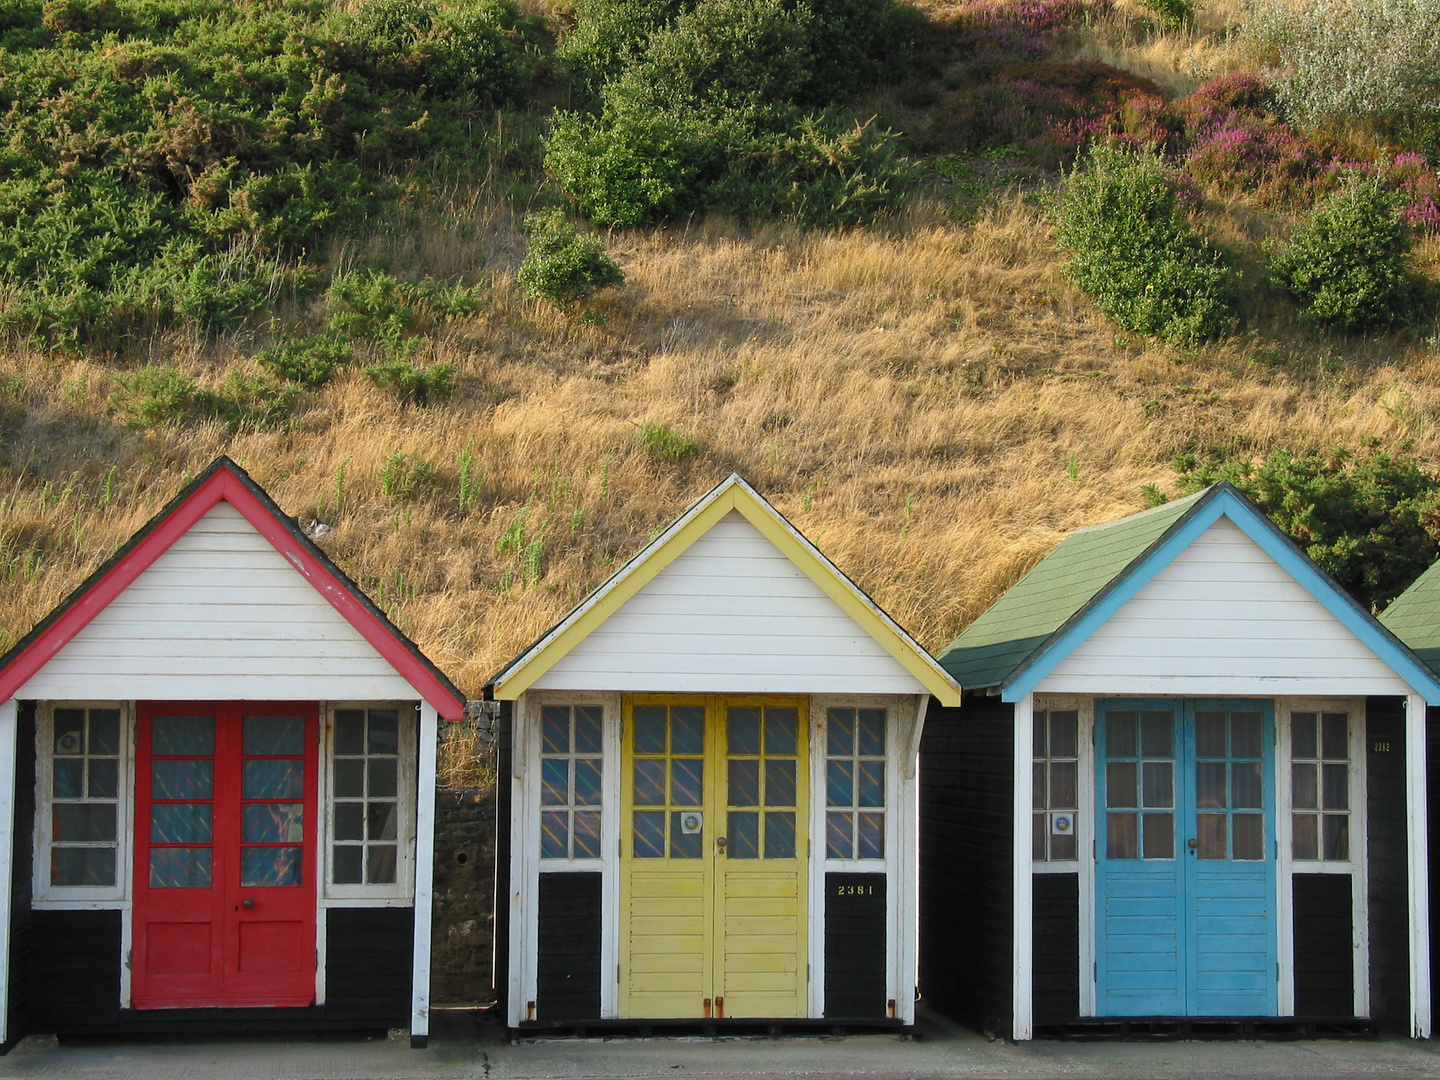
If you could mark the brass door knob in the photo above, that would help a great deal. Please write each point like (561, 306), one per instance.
(247, 902)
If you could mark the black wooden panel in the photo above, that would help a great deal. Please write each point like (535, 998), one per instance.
(504, 757)
(368, 958)
(72, 969)
(966, 852)
(855, 925)
(1389, 860)
(1056, 963)
(1324, 946)
(567, 962)
(22, 854)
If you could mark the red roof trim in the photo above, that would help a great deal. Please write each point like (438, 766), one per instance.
(225, 484)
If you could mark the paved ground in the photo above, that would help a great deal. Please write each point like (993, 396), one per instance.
(464, 1048)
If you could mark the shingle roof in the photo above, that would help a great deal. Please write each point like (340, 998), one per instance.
(1414, 617)
(1064, 585)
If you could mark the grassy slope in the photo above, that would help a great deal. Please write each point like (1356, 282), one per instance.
(928, 400)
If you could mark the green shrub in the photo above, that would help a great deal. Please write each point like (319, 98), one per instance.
(406, 476)
(310, 361)
(155, 395)
(1172, 13)
(609, 36)
(1346, 261)
(561, 265)
(1369, 518)
(411, 383)
(665, 443)
(1135, 254)
(371, 305)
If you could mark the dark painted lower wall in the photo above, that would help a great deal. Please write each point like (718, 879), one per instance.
(855, 923)
(1056, 961)
(1389, 860)
(1324, 946)
(567, 947)
(966, 859)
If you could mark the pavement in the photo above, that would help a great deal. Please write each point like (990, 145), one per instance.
(470, 1045)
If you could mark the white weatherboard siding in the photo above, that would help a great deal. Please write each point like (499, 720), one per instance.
(731, 615)
(221, 615)
(1223, 618)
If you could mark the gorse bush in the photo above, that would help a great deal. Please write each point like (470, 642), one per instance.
(310, 361)
(406, 476)
(561, 265)
(1172, 13)
(1135, 254)
(411, 383)
(1346, 262)
(156, 395)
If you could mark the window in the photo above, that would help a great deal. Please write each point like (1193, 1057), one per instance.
(1320, 786)
(668, 743)
(371, 810)
(572, 759)
(855, 783)
(1140, 784)
(1056, 754)
(762, 764)
(82, 781)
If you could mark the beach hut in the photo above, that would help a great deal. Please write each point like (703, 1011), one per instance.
(1186, 793)
(217, 765)
(708, 775)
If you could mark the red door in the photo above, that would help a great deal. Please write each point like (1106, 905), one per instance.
(225, 834)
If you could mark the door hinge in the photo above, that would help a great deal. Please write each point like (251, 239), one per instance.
(807, 973)
(1095, 971)
(617, 973)
(127, 959)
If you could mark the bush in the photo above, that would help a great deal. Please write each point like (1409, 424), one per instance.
(1172, 13)
(1370, 518)
(155, 395)
(666, 444)
(406, 476)
(374, 306)
(410, 383)
(1134, 252)
(310, 361)
(561, 265)
(1346, 261)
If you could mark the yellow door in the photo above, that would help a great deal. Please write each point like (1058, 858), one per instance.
(713, 858)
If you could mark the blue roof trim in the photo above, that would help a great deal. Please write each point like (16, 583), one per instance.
(1274, 543)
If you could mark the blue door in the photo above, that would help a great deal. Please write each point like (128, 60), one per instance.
(1185, 858)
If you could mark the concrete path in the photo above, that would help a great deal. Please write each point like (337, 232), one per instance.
(463, 1047)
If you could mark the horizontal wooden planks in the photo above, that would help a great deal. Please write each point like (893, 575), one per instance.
(668, 936)
(568, 941)
(1324, 949)
(855, 946)
(762, 939)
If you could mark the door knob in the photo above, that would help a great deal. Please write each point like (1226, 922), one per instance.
(247, 902)
(1192, 844)
(720, 843)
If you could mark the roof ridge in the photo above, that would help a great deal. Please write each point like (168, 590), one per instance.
(1149, 511)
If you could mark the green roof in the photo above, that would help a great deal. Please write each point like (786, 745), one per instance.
(1414, 618)
(1063, 585)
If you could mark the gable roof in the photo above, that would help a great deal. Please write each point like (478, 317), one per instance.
(1094, 571)
(226, 481)
(731, 495)
(1414, 617)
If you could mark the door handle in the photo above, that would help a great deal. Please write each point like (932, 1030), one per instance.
(720, 843)
(247, 903)
(1192, 844)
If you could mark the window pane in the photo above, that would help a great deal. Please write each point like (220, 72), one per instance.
(1210, 785)
(1337, 786)
(1063, 733)
(1245, 731)
(1157, 734)
(555, 729)
(1249, 838)
(555, 834)
(183, 736)
(587, 834)
(872, 783)
(1159, 836)
(1062, 846)
(380, 864)
(349, 821)
(345, 864)
(271, 867)
(840, 732)
(180, 823)
(273, 736)
(554, 782)
(839, 783)
(69, 731)
(94, 867)
(1120, 788)
(349, 779)
(589, 729)
(1122, 734)
(1210, 734)
(742, 726)
(1121, 837)
(684, 845)
(180, 868)
(871, 839)
(1337, 836)
(781, 724)
(744, 835)
(280, 779)
(349, 736)
(649, 729)
(104, 731)
(1304, 790)
(1039, 830)
(1037, 734)
(384, 732)
(1303, 740)
(687, 729)
(869, 733)
(1336, 740)
(780, 783)
(650, 783)
(780, 834)
(1245, 788)
(649, 829)
(69, 778)
(181, 780)
(380, 821)
(83, 821)
(686, 781)
(1158, 787)
(587, 781)
(838, 841)
(1039, 787)
(1210, 833)
(1304, 840)
(104, 777)
(382, 776)
(745, 782)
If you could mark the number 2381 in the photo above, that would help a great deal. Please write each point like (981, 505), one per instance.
(854, 890)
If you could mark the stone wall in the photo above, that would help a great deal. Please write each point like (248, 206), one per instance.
(464, 919)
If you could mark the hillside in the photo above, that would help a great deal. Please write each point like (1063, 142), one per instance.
(927, 397)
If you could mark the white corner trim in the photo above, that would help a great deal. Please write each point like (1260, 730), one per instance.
(1419, 876)
(424, 870)
(1023, 950)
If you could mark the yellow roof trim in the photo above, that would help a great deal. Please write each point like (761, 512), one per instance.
(732, 494)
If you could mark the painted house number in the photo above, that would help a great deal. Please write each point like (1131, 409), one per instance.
(854, 890)
(1382, 748)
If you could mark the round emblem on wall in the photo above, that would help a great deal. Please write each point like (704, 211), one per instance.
(69, 743)
(690, 822)
(1062, 824)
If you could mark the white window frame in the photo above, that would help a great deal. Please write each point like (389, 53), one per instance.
(401, 892)
(47, 897)
(1084, 711)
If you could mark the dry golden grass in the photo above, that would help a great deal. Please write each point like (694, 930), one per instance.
(1178, 60)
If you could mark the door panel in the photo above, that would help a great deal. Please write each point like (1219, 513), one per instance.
(1185, 859)
(225, 832)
